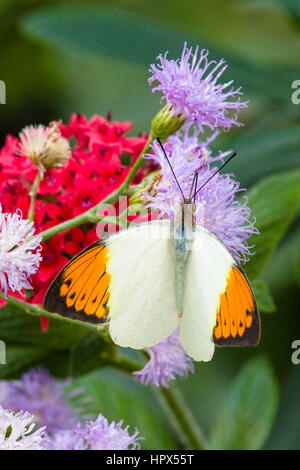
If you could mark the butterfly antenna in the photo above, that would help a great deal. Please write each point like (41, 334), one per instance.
(193, 185)
(196, 184)
(216, 172)
(166, 156)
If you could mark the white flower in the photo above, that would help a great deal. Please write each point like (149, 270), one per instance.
(44, 145)
(19, 252)
(17, 432)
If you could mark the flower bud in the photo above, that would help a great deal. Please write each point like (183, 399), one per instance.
(165, 123)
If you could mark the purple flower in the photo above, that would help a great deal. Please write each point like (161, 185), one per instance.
(167, 361)
(190, 86)
(217, 206)
(19, 252)
(95, 435)
(66, 440)
(102, 435)
(38, 393)
(193, 147)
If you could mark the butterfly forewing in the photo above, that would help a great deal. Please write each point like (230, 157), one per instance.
(238, 322)
(81, 289)
(128, 279)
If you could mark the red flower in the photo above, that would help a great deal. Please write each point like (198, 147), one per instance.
(94, 170)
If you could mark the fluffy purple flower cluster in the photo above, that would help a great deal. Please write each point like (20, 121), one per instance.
(95, 435)
(43, 397)
(167, 360)
(191, 87)
(102, 435)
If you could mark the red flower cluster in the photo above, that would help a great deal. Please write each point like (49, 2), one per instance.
(94, 170)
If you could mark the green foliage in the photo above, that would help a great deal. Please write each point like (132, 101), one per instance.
(17, 327)
(90, 353)
(296, 258)
(20, 359)
(274, 203)
(65, 349)
(248, 411)
(269, 146)
(263, 297)
(294, 8)
(285, 434)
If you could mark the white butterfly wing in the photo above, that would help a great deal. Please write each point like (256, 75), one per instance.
(142, 306)
(207, 269)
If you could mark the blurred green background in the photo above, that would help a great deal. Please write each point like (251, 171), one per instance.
(60, 57)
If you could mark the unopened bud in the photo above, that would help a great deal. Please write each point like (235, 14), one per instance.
(165, 123)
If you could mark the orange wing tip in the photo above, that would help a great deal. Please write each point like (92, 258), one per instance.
(81, 290)
(237, 318)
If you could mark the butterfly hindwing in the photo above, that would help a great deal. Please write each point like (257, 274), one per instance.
(219, 306)
(238, 322)
(81, 289)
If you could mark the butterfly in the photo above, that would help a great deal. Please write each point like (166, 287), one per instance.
(152, 278)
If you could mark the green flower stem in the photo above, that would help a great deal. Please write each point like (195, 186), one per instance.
(89, 216)
(33, 192)
(124, 364)
(183, 421)
(173, 403)
(67, 225)
(37, 311)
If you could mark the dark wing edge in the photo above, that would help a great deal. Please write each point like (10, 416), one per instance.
(55, 303)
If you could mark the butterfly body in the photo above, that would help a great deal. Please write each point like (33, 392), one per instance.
(182, 238)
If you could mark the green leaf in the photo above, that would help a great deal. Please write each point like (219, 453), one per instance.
(285, 434)
(136, 40)
(296, 258)
(65, 349)
(18, 327)
(280, 273)
(263, 296)
(20, 359)
(274, 203)
(271, 143)
(90, 353)
(247, 414)
(293, 7)
(259, 31)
